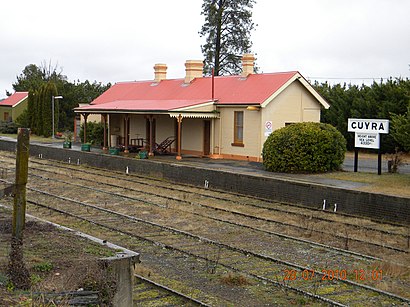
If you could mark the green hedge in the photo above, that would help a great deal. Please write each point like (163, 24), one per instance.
(304, 148)
(8, 127)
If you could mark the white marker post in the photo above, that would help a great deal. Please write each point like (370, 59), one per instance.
(367, 135)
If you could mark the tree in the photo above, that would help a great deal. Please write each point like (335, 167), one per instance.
(34, 76)
(401, 129)
(380, 100)
(227, 28)
(75, 93)
(30, 79)
(49, 89)
(33, 79)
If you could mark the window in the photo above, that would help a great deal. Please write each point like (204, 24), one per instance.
(6, 116)
(238, 129)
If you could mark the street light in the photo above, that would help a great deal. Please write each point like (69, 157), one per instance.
(52, 111)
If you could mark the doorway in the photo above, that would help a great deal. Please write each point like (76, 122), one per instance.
(148, 131)
(207, 137)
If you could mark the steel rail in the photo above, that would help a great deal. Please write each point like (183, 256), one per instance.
(407, 236)
(170, 247)
(127, 178)
(172, 291)
(230, 212)
(222, 245)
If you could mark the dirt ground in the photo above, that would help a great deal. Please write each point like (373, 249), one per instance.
(57, 261)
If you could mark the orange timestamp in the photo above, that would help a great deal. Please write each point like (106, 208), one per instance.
(357, 274)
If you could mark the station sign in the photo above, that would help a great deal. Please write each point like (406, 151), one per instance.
(367, 135)
(367, 140)
(368, 125)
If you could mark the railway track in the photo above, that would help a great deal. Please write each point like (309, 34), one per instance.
(229, 256)
(148, 292)
(352, 237)
(403, 239)
(257, 265)
(341, 220)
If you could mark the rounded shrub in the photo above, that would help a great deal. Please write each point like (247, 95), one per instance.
(304, 148)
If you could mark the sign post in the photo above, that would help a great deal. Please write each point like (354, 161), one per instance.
(367, 135)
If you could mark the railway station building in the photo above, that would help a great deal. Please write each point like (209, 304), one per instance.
(13, 106)
(218, 117)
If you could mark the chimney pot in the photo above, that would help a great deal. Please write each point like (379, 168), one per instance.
(248, 62)
(160, 71)
(193, 69)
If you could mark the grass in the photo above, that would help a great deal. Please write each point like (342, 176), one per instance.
(232, 279)
(35, 138)
(387, 183)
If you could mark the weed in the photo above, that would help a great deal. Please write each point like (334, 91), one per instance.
(43, 267)
(212, 264)
(35, 279)
(234, 280)
(394, 160)
(98, 251)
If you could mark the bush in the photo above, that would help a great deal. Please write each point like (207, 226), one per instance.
(23, 120)
(8, 127)
(304, 147)
(95, 133)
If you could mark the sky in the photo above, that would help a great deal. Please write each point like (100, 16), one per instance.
(352, 41)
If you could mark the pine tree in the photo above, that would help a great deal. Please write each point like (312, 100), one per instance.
(31, 108)
(227, 29)
(49, 90)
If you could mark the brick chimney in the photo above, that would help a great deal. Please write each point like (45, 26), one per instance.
(193, 69)
(247, 64)
(160, 71)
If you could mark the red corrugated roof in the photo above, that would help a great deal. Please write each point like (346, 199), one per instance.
(173, 94)
(143, 105)
(14, 99)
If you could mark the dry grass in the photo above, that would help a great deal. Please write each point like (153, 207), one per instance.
(393, 270)
(232, 279)
(36, 138)
(365, 155)
(393, 184)
(142, 270)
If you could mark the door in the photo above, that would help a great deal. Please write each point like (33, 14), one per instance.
(126, 139)
(148, 131)
(207, 137)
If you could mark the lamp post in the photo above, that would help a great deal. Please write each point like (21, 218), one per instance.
(52, 111)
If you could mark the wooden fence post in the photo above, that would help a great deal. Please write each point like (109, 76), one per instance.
(19, 209)
(17, 271)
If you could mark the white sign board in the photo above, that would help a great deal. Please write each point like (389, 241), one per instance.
(368, 125)
(367, 140)
(268, 128)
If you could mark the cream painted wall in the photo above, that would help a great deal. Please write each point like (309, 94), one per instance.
(15, 111)
(251, 130)
(294, 104)
(137, 126)
(96, 118)
(7, 110)
(192, 134)
(165, 128)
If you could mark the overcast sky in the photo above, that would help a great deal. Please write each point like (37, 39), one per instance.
(112, 41)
